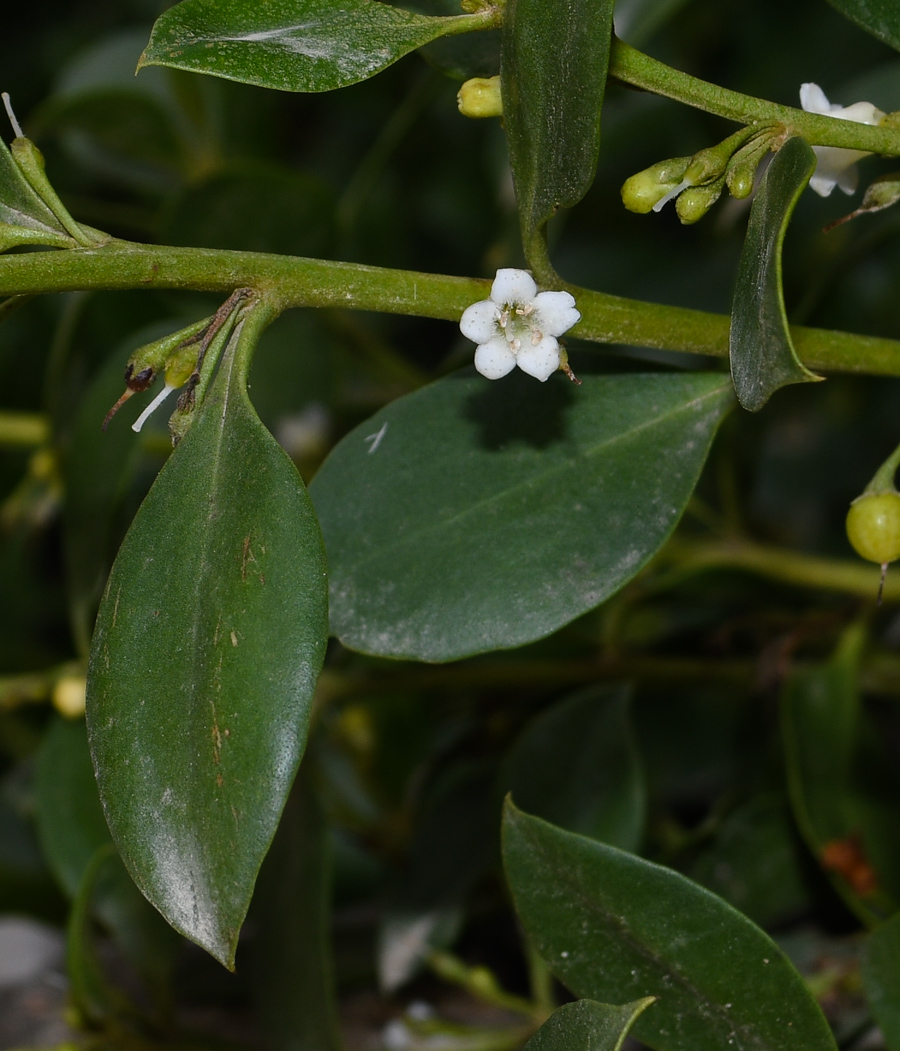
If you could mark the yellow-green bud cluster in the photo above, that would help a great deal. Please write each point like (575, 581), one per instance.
(698, 181)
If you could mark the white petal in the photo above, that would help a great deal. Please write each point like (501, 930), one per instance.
(834, 167)
(479, 321)
(513, 286)
(848, 180)
(861, 113)
(813, 100)
(494, 359)
(540, 361)
(555, 312)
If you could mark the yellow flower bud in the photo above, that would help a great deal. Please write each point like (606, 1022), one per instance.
(480, 97)
(642, 191)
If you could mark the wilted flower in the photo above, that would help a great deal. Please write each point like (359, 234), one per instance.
(836, 165)
(518, 326)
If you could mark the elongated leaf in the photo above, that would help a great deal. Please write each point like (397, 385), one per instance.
(24, 218)
(881, 18)
(880, 966)
(69, 815)
(73, 834)
(291, 45)
(208, 644)
(762, 352)
(843, 823)
(472, 516)
(554, 61)
(577, 766)
(587, 1026)
(616, 928)
(756, 861)
(293, 973)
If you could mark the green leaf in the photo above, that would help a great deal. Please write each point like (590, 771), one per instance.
(555, 56)
(756, 861)
(881, 18)
(293, 973)
(588, 1026)
(69, 816)
(24, 217)
(762, 352)
(473, 516)
(290, 45)
(577, 766)
(74, 833)
(208, 645)
(92, 992)
(822, 728)
(616, 928)
(880, 966)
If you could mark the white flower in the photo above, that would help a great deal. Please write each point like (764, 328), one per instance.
(518, 326)
(835, 165)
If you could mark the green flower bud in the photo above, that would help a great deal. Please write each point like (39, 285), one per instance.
(696, 201)
(740, 181)
(480, 97)
(646, 189)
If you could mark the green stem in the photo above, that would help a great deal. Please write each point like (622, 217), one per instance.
(287, 282)
(641, 71)
(786, 567)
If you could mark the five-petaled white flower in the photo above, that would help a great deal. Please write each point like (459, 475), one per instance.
(835, 165)
(518, 326)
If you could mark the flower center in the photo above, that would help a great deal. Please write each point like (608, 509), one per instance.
(517, 322)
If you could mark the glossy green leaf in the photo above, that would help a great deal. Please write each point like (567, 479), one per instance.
(880, 967)
(207, 648)
(24, 217)
(290, 45)
(293, 974)
(554, 60)
(472, 516)
(762, 352)
(616, 928)
(577, 766)
(881, 18)
(588, 1026)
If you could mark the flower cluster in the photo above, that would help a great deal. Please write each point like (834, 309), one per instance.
(835, 165)
(518, 326)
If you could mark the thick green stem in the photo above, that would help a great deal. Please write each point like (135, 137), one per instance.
(287, 282)
(639, 70)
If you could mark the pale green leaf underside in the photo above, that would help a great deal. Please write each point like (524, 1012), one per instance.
(587, 1025)
(291, 45)
(762, 352)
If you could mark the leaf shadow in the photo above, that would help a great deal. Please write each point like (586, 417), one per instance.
(519, 408)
